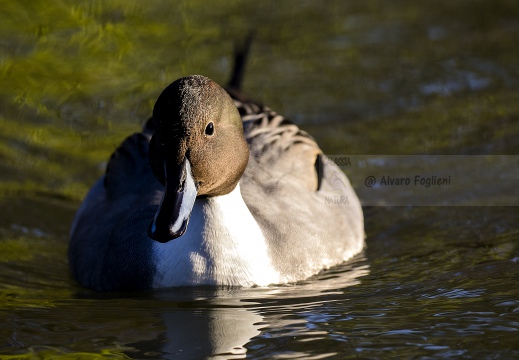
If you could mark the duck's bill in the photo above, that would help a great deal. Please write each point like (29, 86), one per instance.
(180, 192)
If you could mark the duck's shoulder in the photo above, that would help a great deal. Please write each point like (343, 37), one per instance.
(279, 149)
(266, 130)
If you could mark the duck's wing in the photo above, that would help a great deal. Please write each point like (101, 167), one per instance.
(109, 246)
(277, 145)
(304, 203)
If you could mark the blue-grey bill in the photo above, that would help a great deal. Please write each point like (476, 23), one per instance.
(172, 217)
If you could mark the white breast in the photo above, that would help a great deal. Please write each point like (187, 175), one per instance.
(223, 245)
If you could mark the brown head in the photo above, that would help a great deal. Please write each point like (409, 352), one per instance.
(198, 149)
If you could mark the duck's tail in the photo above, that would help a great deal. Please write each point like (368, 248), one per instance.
(241, 52)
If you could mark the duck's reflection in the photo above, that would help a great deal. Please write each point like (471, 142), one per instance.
(185, 323)
(214, 333)
(219, 323)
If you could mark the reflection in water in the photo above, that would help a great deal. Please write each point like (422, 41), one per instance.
(181, 323)
(219, 333)
(229, 319)
(198, 323)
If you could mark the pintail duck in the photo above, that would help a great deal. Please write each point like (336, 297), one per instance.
(215, 190)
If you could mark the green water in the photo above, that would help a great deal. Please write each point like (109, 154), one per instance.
(363, 77)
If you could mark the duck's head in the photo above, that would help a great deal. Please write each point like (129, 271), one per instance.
(198, 149)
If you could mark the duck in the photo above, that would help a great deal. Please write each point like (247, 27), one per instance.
(215, 190)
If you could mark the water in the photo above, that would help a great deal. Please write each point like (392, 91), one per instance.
(375, 79)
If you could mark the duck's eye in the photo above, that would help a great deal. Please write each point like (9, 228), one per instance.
(209, 129)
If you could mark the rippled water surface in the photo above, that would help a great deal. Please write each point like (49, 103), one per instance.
(373, 79)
